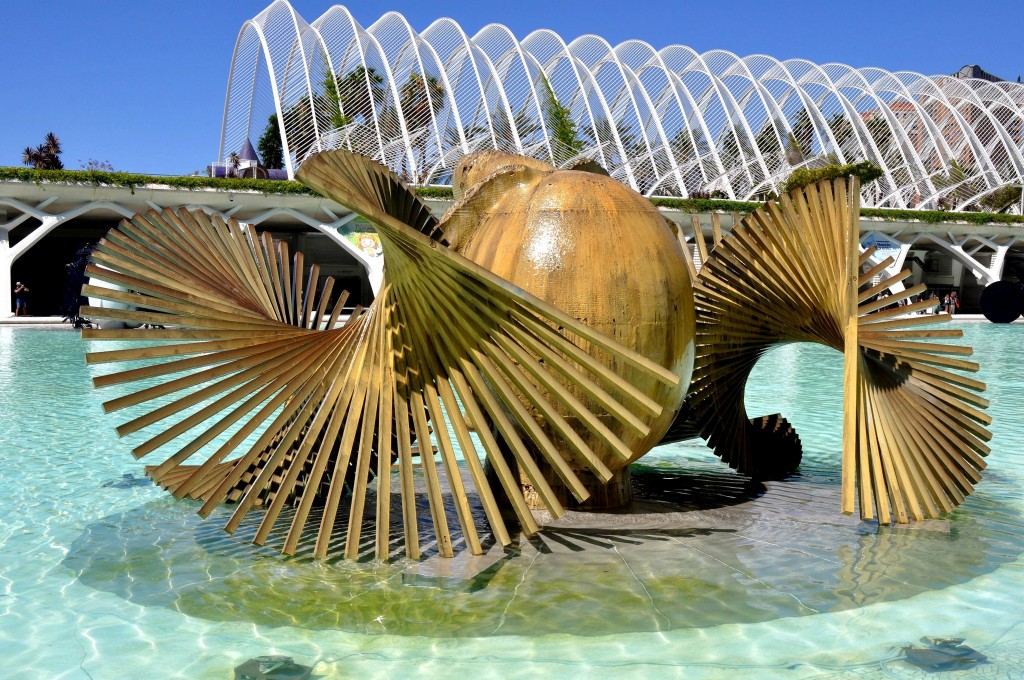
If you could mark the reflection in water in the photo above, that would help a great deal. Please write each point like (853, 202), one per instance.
(130, 580)
(706, 547)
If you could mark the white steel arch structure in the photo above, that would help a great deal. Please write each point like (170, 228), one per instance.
(668, 122)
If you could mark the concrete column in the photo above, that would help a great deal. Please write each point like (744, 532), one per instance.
(374, 266)
(897, 267)
(999, 262)
(8, 255)
(985, 275)
(6, 285)
(375, 273)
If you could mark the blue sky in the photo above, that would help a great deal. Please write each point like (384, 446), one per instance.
(141, 84)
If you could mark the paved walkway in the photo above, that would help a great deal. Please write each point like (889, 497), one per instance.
(33, 321)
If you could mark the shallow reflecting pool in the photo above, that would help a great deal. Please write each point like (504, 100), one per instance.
(103, 575)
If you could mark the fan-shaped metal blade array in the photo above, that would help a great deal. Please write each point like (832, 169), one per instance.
(914, 432)
(445, 345)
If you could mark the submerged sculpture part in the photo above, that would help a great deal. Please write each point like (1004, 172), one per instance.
(548, 321)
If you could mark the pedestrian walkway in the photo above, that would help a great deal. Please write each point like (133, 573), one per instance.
(33, 321)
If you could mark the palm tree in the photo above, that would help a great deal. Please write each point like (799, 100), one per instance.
(632, 145)
(960, 183)
(421, 98)
(359, 92)
(46, 156)
(525, 127)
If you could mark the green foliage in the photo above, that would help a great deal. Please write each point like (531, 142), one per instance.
(957, 181)
(1001, 199)
(434, 192)
(767, 141)
(189, 182)
(706, 205)
(561, 127)
(703, 205)
(333, 100)
(359, 93)
(131, 180)
(940, 216)
(866, 170)
(422, 98)
(267, 187)
(882, 136)
(269, 146)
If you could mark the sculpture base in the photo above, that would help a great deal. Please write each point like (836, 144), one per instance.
(614, 493)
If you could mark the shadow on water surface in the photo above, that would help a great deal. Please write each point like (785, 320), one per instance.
(700, 548)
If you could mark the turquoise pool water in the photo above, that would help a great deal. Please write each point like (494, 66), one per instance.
(104, 576)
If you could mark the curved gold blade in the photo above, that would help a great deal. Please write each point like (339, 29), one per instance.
(914, 428)
(293, 409)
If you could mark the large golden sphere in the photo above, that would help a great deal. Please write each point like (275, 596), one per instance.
(593, 248)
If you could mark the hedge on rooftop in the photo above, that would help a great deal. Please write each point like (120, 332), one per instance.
(270, 187)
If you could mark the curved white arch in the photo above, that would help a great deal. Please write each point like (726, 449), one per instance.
(694, 122)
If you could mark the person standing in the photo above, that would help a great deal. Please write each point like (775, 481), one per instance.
(954, 303)
(20, 299)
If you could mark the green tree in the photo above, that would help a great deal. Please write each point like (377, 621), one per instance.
(689, 144)
(691, 149)
(525, 126)
(961, 182)
(632, 146)
(300, 126)
(767, 142)
(421, 98)
(562, 128)
(358, 93)
(882, 135)
(736, 147)
(332, 99)
(844, 134)
(46, 156)
(1001, 199)
(269, 146)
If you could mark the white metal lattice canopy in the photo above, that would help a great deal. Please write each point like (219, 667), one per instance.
(668, 122)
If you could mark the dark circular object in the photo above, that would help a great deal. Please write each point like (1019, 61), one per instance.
(1001, 301)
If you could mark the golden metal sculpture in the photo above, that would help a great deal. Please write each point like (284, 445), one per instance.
(593, 248)
(550, 311)
(913, 431)
(444, 344)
